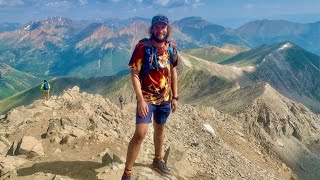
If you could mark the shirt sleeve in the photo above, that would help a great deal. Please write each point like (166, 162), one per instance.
(137, 57)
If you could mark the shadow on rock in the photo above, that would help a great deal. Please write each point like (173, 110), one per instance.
(73, 169)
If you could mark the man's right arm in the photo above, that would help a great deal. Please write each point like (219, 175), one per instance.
(142, 105)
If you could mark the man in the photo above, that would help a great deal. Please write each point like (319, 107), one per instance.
(46, 90)
(121, 101)
(154, 79)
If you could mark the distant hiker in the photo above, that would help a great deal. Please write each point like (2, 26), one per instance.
(46, 90)
(121, 101)
(154, 79)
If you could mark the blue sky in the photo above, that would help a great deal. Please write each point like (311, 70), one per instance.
(230, 13)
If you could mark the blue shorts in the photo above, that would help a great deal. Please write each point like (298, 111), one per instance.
(160, 114)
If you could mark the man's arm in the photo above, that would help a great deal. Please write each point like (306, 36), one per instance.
(174, 87)
(142, 105)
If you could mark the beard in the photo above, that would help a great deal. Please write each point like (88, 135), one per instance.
(154, 37)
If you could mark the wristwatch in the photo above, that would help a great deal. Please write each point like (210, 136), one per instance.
(176, 98)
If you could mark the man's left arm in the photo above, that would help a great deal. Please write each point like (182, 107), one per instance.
(174, 87)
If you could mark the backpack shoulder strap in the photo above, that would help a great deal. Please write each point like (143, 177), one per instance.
(147, 58)
(170, 47)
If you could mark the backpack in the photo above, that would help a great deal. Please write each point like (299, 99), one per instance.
(150, 55)
(46, 86)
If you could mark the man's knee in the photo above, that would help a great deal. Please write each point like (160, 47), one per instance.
(158, 128)
(139, 135)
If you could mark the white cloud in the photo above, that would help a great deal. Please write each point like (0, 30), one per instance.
(11, 2)
(83, 2)
(107, 1)
(59, 4)
(249, 6)
(173, 3)
(162, 2)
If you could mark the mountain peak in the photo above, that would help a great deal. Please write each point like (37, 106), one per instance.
(55, 21)
(193, 22)
(285, 45)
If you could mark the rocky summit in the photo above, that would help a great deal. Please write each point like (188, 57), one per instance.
(83, 136)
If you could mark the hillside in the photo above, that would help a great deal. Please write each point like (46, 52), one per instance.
(91, 85)
(285, 129)
(287, 67)
(216, 54)
(270, 127)
(88, 135)
(13, 81)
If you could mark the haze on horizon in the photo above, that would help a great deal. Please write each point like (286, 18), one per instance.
(229, 13)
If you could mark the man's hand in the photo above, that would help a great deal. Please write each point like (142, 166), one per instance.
(143, 108)
(174, 105)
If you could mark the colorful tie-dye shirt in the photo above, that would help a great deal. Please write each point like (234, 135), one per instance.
(155, 85)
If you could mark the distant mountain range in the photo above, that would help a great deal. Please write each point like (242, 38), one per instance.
(59, 47)
(63, 47)
(9, 26)
(274, 31)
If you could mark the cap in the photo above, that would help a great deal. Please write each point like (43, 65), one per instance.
(160, 18)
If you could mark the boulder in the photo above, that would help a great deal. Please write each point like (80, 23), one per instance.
(176, 157)
(8, 166)
(3, 148)
(208, 128)
(30, 146)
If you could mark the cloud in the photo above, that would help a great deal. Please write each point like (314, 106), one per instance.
(107, 1)
(249, 6)
(162, 2)
(83, 2)
(11, 2)
(172, 3)
(59, 4)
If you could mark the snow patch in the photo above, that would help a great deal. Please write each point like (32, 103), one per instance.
(27, 27)
(249, 68)
(285, 46)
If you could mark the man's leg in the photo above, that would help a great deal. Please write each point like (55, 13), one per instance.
(48, 94)
(134, 145)
(161, 115)
(158, 138)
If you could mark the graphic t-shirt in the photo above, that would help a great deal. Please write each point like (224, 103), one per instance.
(155, 85)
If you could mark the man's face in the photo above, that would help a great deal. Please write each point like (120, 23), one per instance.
(160, 32)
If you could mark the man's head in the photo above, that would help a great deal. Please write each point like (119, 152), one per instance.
(160, 29)
(44, 80)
